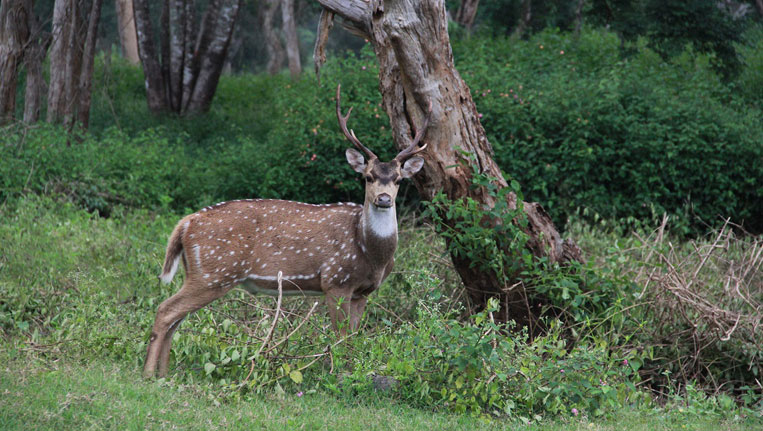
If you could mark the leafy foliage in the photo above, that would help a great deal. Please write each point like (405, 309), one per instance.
(622, 137)
(572, 120)
(495, 240)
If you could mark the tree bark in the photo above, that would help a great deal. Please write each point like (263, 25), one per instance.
(276, 53)
(325, 22)
(411, 42)
(14, 33)
(73, 67)
(213, 55)
(128, 38)
(759, 6)
(467, 10)
(524, 20)
(185, 79)
(33, 57)
(75, 31)
(147, 51)
(579, 16)
(61, 30)
(289, 28)
(88, 62)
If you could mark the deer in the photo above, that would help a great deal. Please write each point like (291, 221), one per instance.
(341, 251)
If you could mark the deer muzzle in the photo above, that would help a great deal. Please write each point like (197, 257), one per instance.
(383, 201)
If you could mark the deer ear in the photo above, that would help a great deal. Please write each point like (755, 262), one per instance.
(412, 166)
(355, 159)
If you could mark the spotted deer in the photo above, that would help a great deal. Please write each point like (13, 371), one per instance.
(343, 251)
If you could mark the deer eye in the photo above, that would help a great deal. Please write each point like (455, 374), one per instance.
(369, 179)
(397, 181)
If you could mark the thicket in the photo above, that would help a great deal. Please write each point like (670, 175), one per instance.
(576, 122)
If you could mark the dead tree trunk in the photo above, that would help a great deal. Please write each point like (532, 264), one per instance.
(411, 42)
(128, 39)
(289, 27)
(467, 10)
(14, 33)
(276, 53)
(185, 78)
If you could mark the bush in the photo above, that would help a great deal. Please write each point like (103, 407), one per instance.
(569, 118)
(578, 126)
(474, 367)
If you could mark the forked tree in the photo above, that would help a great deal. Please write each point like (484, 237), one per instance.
(72, 55)
(183, 79)
(343, 251)
(411, 43)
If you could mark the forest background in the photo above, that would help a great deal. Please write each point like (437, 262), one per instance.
(636, 124)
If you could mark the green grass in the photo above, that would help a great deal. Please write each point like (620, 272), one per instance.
(78, 295)
(65, 394)
(52, 395)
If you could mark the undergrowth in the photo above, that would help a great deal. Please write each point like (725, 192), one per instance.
(414, 346)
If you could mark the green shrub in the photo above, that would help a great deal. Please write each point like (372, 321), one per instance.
(495, 240)
(750, 79)
(578, 126)
(572, 120)
(475, 367)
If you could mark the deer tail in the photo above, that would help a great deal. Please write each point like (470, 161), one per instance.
(174, 252)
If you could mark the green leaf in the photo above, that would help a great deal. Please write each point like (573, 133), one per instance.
(209, 367)
(459, 382)
(296, 376)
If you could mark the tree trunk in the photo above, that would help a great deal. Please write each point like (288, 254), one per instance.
(126, 26)
(466, 13)
(411, 42)
(73, 67)
(190, 54)
(759, 5)
(62, 16)
(212, 52)
(276, 53)
(579, 16)
(524, 20)
(88, 60)
(147, 52)
(289, 28)
(75, 31)
(185, 79)
(14, 33)
(33, 57)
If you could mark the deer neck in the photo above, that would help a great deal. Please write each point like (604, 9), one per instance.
(378, 233)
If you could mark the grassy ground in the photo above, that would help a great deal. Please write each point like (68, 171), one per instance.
(68, 395)
(78, 295)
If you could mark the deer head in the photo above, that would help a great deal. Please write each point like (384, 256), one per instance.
(382, 178)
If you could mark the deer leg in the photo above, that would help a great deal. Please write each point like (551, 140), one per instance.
(339, 307)
(357, 306)
(164, 353)
(168, 316)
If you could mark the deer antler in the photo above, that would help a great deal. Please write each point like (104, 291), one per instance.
(412, 149)
(343, 125)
